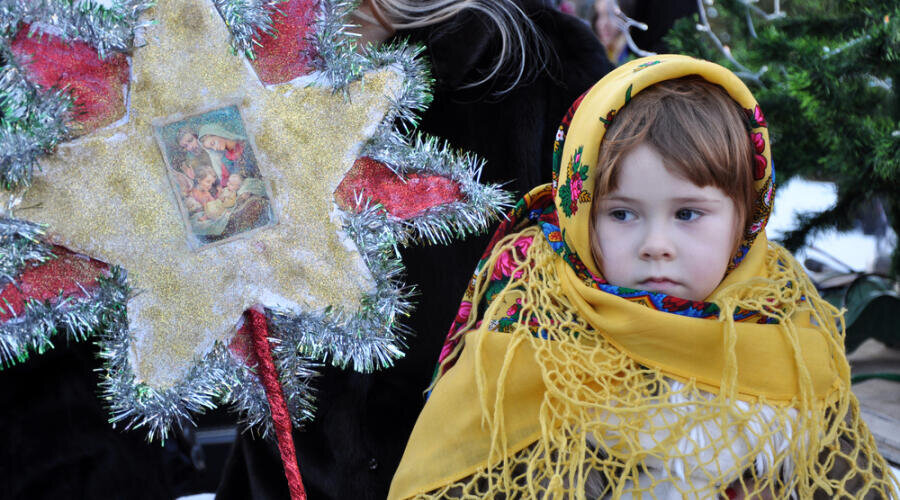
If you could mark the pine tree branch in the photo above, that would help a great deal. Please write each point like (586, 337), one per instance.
(840, 216)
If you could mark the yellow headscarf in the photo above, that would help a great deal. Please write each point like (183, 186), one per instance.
(565, 386)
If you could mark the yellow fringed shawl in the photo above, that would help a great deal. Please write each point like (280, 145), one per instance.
(592, 395)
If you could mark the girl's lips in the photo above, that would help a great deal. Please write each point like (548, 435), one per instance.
(659, 281)
(660, 285)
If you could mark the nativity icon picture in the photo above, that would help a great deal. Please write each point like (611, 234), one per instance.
(216, 180)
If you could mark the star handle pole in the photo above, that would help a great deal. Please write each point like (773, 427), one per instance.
(259, 331)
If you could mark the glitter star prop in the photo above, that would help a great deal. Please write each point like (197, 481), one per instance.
(108, 195)
(322, 273)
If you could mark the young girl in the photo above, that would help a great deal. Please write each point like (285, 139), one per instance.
(631, 332)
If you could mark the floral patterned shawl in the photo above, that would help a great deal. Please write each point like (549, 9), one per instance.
(555, 383)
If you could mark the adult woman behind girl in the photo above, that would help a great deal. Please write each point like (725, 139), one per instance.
(505, 72)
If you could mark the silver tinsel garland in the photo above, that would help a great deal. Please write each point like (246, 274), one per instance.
(107, 29)
(367, 339)
(20, 243)
(32, 120)
(221, 378)
(32, 329)
(438, 225)
(340, 64)
(370, 338)
(246, 19)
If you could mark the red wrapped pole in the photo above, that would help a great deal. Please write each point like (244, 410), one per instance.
(259, 333)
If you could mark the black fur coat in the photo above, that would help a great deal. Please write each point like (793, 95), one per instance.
(363, 421)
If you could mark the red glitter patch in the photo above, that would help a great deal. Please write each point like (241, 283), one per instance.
(287, 56)
(241, 345)
(97, 85)
(405, 200)
(68, 273)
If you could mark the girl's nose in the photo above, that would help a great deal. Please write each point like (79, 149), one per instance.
(657, 245)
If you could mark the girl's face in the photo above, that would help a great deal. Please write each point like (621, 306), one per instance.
(663, 233)
(207, 182)
(213, 142)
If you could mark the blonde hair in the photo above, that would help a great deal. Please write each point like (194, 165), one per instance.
(701, 134)
(520, 39)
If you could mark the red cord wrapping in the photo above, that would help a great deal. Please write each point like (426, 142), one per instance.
(259, 331)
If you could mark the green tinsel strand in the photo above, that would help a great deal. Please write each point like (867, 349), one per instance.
(247, 20)
(32, 330)
(107, 29)
(339, 62)
(32, 121)
(20, 244)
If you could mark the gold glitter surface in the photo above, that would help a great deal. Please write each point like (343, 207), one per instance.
(107, 194)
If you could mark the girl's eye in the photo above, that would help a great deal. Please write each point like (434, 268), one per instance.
(621, 215)
(687, 214)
